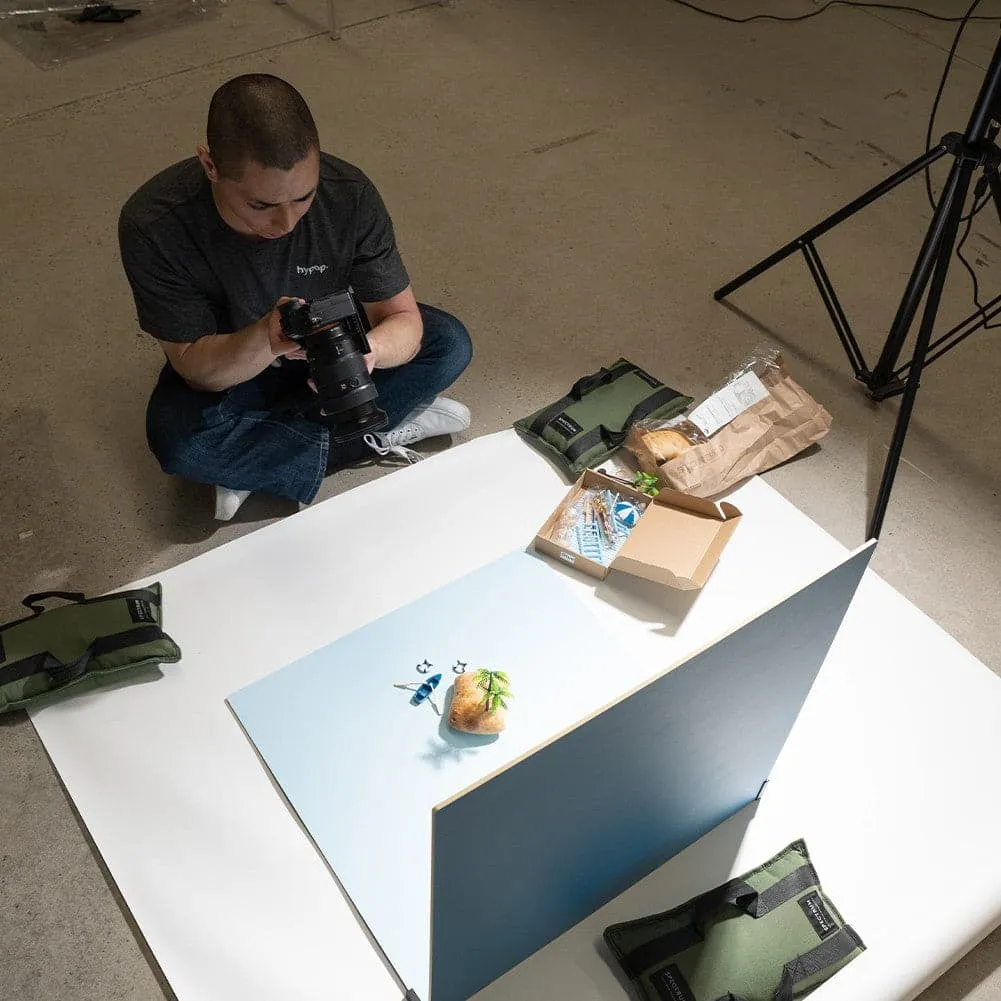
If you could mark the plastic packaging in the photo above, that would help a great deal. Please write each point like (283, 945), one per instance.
(762, 361)
(668, 439)
(596, 523)
(51, 32)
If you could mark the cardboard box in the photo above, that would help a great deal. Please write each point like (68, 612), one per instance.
(677, 541)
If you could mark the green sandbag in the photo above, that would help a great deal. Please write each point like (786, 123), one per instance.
(584, 427)
(80, 644)
(771, 935)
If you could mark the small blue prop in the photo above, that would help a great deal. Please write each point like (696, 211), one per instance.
(422, 692)
(589, 541)
(425, 689)
(627, 514)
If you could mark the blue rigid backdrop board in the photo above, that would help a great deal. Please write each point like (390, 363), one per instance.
(526, 855)
(363, 768)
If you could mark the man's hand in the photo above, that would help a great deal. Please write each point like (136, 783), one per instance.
(395, 337)
(216, 362)
(282, 346)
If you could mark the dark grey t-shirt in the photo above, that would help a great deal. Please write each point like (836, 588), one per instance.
(192, 274)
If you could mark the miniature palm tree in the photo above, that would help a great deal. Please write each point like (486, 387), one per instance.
(479, 702)
(496, 685)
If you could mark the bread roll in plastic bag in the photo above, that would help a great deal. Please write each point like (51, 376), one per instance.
(707, 451)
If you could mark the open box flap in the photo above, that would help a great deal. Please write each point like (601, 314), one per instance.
(677, 546)
(720, 510)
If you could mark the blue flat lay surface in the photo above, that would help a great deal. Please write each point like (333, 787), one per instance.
(363, 768)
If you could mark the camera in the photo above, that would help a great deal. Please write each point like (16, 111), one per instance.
(333, 334)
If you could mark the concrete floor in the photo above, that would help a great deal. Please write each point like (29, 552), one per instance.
(571, 177)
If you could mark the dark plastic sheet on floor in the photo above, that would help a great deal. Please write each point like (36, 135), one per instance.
(48, 34)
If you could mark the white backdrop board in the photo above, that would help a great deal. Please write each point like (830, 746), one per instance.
(565, 829)
(236, 904)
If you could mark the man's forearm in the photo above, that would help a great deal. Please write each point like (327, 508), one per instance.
(396, 339)
(218, 361)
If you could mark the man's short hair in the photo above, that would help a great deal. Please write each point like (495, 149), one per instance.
(262, 118)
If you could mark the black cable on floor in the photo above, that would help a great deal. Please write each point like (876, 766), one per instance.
(977, 209)
(827, 6)
(963, 21)
(967, 17)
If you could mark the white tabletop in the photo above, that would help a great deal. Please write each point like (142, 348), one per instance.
(888, 764)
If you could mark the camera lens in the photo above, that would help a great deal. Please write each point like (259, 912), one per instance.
(343, 383)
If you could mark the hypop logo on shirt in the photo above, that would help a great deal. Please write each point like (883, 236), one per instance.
(316, 269)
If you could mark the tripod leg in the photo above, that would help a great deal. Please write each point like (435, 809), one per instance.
(883, 376)
(831, 221)
(946, 227)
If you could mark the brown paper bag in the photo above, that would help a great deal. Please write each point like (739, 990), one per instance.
(771, 431)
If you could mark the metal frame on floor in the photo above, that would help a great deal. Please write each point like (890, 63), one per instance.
(334, 24)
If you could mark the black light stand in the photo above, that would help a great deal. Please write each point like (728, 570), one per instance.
(973, 150)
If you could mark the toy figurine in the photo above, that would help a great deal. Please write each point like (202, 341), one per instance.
(423, 691)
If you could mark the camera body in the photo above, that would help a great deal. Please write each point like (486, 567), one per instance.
(333, 334)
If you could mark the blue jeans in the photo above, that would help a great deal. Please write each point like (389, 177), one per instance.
(267, 435)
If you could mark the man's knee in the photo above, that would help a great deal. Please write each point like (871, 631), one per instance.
(182, 446)
(178, 453)
(446, 341)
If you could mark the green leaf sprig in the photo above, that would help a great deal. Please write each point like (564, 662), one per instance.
(647, 482)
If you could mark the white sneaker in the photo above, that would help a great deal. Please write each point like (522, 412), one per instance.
(440, 416)
(227, 502)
